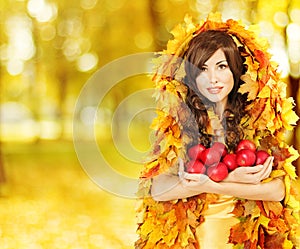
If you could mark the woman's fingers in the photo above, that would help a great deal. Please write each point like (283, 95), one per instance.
(259, 172)
(262, 169)
(180, 167)
(250, 170)
(267, 167)
(194, 178)
(269, 160)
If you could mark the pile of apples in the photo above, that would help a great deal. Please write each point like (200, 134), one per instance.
(216, 162)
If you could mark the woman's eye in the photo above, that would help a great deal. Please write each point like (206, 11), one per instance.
(223, 66)
(203, 69)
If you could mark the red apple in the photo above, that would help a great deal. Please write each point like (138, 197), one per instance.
(245, 144)
(195, 167)
(195, 151)
(261, 157)
(230, 161)
(220, 147)
(245, 157)
(217, 172)
(210, 156)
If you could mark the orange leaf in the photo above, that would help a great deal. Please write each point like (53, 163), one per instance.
(238, 209)
(273, 208)
(261, 58)
(261, 240)
(261, 207)
(256, 110)
(274, 241)
(279, 225)
(238, 234)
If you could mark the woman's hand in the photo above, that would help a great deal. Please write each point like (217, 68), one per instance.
(193, 181)
(252, 175)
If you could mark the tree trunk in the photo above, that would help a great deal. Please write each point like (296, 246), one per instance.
(2, 172)
(294, 86)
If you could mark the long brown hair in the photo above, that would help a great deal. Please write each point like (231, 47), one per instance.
(200, 49)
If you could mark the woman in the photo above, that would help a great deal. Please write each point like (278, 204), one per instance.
(217, 57)
(216, 84)
(201, 211)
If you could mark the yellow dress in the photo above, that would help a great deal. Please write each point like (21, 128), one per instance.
(214, 232)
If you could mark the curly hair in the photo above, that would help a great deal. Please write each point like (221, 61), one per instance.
(200, 49)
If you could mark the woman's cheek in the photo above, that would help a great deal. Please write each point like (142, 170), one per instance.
(202, 80)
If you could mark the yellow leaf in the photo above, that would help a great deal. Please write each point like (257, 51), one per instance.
(267, 179)
(182, 33)
(152, 164)
(277, 173)
(281, 88)
(263, 220)
(171, 155)
(266, 117)
(156, 234)
(251, 209)
(294, 203)
(290, 170)
(170, 227)
(265, 92)
(186, 236)
(287, 244)
(192, 219)
(190, 26)
(215, 17)
(288, 119)
(294, 154)
(250, 86)
(251, 229)
(147, 227)
(171, 236)
(288, 116)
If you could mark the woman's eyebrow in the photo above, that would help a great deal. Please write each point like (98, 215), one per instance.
(219, 62)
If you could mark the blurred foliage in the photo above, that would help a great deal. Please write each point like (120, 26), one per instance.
(49, 49)
(47, 205)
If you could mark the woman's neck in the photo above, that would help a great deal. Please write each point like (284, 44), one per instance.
(220, 108)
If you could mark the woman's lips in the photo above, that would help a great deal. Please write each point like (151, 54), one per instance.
(214, 90)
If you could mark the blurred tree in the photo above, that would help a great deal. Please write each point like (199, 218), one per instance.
(293, 47)
(2, 172)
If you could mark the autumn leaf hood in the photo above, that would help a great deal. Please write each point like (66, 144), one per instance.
(263, 224)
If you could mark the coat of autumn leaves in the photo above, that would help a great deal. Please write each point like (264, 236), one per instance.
(262, 224)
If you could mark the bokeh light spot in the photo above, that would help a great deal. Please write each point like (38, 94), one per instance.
(281, 19)
(143, 40)
(88, 4)
(87, 62)
(48, 32)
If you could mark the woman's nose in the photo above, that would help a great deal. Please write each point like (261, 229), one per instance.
(213, 77)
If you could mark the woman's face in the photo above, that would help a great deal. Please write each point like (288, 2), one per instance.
(215, 80)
